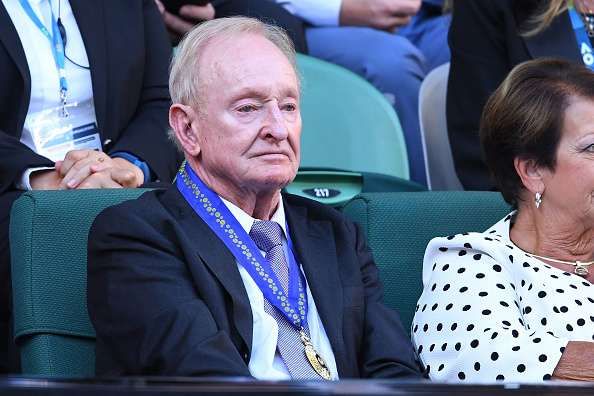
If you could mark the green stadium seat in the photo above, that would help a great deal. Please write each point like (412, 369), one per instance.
(48, 241)
(348, 127)
(399, 226)
(49, 230)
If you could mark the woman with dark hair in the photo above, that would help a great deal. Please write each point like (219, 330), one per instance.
(487, 39)
(516, 302)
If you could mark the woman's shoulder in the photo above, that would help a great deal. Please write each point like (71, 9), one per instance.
(490, 250)
(494, 237)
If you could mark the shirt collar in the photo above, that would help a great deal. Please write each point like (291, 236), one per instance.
(246, 221)
(502, 227)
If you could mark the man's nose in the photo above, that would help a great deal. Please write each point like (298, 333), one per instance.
(275, 124)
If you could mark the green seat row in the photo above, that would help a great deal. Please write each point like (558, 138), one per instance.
(48, 237)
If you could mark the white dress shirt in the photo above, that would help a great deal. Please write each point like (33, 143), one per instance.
(316, 12)
(265, 361)
(45, 86)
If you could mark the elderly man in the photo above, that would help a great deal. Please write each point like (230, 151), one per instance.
(221, 274)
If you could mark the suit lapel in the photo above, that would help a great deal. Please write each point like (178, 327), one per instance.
(221, 262)
(10, 38)
(558, 41)
(90, 18)
(315, 251)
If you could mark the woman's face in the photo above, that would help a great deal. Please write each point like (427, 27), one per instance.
(569, 189)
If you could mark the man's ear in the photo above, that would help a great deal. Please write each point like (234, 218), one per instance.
(531, 174)
(182, 119)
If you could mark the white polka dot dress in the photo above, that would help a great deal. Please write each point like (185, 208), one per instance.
(491, 312)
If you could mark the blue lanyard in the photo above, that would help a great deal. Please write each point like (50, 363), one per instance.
(584, 44)
(56, 42)
(211, 209)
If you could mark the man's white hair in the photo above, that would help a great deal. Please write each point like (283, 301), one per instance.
(185, 78)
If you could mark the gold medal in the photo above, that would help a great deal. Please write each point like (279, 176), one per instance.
(314, 358)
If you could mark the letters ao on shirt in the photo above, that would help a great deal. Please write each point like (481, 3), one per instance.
(582, 38)
(587, 55)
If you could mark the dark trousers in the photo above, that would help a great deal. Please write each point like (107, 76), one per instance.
(9, 358)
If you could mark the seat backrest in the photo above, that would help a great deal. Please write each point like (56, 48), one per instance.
(348, 124)
(336, 188)
(441, 173)
(48, 244)
(399, 226)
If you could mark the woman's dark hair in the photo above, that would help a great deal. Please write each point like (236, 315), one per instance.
(524, 118)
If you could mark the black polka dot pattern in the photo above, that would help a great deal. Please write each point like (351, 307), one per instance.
(495, 313)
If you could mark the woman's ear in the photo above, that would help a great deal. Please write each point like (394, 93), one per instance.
(531, 174)
(182, 120)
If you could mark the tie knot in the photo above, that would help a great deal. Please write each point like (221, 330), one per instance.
(266, 235)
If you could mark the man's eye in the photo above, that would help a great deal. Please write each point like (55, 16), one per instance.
(247, 109)
(590, 148)
(290, 107)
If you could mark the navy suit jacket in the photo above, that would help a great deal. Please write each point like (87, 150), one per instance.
(166, 297)
(129, 52)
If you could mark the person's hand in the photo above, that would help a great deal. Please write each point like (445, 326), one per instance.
(126, 173)
(189, 15)
(379, 14)
(79, 166)
(110, 178)
(48, 179)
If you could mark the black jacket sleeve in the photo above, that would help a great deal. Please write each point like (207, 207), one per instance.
(16, 158)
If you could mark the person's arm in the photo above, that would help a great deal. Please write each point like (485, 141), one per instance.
(145, 136)
(189, 16)
(386, 351)
(478, 65)
(43, 178)
(143, 303)
(317, 13)
(16, 159)
(576, 363)
(379, 14)
(470, 323)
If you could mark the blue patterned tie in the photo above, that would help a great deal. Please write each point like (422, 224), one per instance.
(268, 237)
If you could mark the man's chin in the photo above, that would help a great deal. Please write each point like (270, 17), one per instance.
(273, 181)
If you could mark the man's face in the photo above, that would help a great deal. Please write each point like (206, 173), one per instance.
(248, 125)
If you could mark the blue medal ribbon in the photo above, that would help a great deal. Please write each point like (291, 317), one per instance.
(584, 44)
(213, 211)
(56, 42)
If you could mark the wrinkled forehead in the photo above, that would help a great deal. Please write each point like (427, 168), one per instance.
(234, 62)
